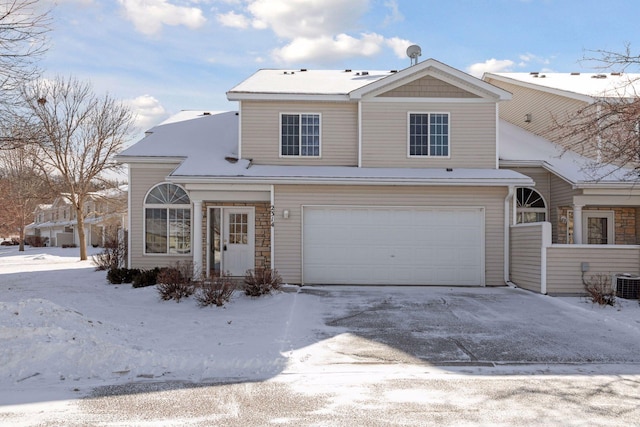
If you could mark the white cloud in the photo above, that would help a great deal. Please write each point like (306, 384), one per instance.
(399, 46)
(490, 66)
(329, 49)
(148, 111)
(292, 19)
(233, 20)
(148, 16)
(394, 12)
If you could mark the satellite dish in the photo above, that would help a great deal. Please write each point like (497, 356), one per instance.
(413, 52)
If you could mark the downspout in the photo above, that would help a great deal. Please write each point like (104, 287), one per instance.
(359, 134)
(239, 129)
(507, 230)
(271, 235)
(129, 209)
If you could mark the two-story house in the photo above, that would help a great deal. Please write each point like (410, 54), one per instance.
(332, 177)
(56, 224)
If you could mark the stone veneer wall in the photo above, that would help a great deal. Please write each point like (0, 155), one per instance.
(626, 232)
(262, 230)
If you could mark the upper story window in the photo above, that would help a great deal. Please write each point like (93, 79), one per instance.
(300, 135)
(530, 206)
(167, 219)
(429, 134)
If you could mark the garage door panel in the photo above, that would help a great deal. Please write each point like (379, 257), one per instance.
(370, 245)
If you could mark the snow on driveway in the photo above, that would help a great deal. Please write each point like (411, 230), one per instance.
(65, 330)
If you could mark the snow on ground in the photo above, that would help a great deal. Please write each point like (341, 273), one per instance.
(65, 330)
(63, 327)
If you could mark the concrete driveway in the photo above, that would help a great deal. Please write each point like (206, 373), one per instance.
(475, 326)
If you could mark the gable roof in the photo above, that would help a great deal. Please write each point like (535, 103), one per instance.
(345, 85)
(581, 86)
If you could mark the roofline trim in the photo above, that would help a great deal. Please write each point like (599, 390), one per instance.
(528, 85)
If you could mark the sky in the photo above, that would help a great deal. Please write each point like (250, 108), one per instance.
(164, 56)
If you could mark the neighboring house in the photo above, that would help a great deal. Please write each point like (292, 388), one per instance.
(56, 223)
(332, 177)
(586, 203)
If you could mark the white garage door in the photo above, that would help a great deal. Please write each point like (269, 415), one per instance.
(394, 246)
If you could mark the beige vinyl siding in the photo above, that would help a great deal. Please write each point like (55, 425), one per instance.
(545, 109)
(564, 274)
(428, 87)
(288, 238)
(526, 256)
(472, 135)
(142, 178)
(563, 194)
(260, 130)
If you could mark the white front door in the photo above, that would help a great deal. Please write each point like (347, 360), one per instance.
(238, 249)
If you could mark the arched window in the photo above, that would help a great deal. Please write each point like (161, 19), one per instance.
(167, 220)
(530, 206)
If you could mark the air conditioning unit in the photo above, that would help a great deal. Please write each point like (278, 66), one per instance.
(626, 285)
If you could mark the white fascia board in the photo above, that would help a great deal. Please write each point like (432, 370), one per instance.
(392, 99)
(473, 182)
(507, 164)
(246, 96)
(149, 159)
(438, 70)
(559, 92)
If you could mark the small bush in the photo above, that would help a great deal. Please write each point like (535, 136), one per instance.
(145, 278)
(215, 291)
(173, 285)
(113, 255)
(261, 281)
(34, 241)
(117, 276)
(599, 290)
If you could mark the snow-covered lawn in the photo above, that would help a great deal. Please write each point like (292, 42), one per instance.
(64, 330)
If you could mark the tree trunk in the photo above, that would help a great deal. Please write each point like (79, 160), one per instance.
(82, 241)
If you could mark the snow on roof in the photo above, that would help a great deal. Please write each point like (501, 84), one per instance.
(319, 82)
(188, 115)
(519, 145)
(598, 85)
(215, 132)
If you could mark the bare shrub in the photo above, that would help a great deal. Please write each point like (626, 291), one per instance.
(113, 256)
(215, 291)
(173, 284)
(599, 290)
(261, 281)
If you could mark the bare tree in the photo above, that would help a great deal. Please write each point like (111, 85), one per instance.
(608, 128)
(78, 133)
(24, 25)
(23, 188)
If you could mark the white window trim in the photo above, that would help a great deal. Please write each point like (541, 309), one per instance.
(282, 156)
(146, 206)
(537, 210)
(586, 214)
(409, 155)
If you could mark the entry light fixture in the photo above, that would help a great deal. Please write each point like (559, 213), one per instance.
(527, 118)
(285, 214)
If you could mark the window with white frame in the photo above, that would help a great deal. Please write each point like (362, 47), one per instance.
(300, 135)
(429, 134)
(167, 216)
(530, 206)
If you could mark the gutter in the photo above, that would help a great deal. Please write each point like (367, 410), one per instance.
(472, 182)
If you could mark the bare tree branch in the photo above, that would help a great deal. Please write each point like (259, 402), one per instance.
(78, 133)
